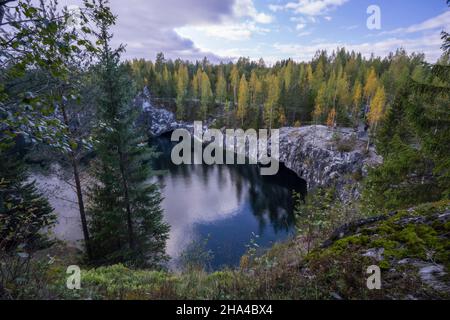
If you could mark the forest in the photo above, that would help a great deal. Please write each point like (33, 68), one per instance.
(66, 96)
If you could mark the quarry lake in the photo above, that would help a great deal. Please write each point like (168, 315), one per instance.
(216, 212)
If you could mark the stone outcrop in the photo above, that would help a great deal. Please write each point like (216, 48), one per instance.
(324, 157)
(319, 155)
(157, 120)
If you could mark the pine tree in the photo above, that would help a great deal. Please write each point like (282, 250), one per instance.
(126, 217)
(24, 212)
(243, 100)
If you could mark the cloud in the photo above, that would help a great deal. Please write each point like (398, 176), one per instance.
(429, 45)
(246, 8)
(441, 21)
(148, 27)
(233, 31)
(309, 7)
(304, 33)
(241, 25)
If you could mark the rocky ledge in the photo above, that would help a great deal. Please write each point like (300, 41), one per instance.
(320, 155)
(324, 157)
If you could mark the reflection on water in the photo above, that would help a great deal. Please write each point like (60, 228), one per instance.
(225, 203)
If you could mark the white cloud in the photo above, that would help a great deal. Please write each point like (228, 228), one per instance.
(246, 8)
(242, 24)
(309, 7)
(429, 45)
(304, 33)
(441, 21)
(275, 7)
(300, 26)
(234, 31)
(328, 18)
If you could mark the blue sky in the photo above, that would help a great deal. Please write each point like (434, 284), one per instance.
(275, 29)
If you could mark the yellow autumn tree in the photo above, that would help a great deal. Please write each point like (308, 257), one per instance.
(309, 74)
(356, 101)
(243, 100)
(273, 97)
(221, 87)
(234, 80)
(206, 95)
(376, 112)
(331, 120)
(197, 83)
(282, 119)
(371, 85)
(320, 104)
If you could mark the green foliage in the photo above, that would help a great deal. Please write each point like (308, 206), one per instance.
(312, 215)
(126, 218)
(288, 91)
(35, 44)
(24, 213)
(414, 140)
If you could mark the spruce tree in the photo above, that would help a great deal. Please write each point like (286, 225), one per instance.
(24, 212)
(126, 217)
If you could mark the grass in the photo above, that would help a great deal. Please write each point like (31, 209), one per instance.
(286, 271)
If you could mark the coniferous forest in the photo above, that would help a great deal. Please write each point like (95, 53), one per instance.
(69, 98)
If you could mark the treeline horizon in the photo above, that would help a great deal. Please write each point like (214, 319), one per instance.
(338, 89)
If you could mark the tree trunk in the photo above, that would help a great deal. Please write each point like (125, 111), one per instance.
(79, 190)
(127, 201)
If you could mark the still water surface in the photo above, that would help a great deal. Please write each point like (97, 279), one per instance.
(226, 204)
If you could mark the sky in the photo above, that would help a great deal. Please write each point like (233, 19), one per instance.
(224, 30)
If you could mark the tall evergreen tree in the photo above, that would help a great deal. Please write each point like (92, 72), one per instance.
(126, 217)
